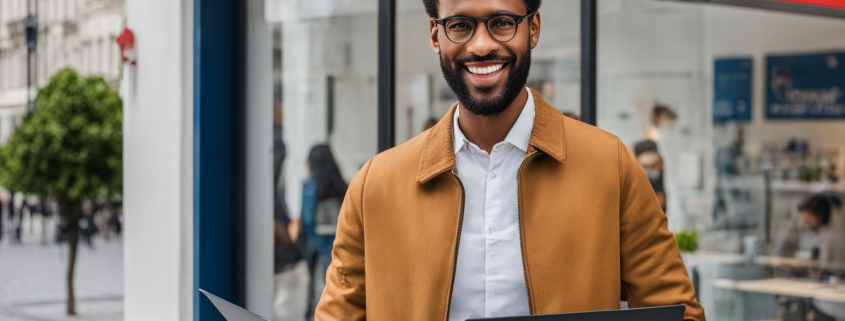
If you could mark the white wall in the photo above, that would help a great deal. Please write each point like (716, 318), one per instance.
(158, 170)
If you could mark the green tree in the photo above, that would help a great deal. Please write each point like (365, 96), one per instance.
(70, 149)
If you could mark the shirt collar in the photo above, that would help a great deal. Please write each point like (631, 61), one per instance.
(519, 135)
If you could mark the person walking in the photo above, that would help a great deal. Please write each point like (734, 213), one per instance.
(290, 301)
(322, 194)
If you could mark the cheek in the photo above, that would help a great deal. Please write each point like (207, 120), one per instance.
(449, 50)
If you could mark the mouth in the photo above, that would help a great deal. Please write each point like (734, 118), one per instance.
(485, 69)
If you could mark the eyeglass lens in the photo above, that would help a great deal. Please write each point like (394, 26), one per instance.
(501, 28)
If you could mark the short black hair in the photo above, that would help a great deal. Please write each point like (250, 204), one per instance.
(645, 147)
(431, 6)
(660, 110)
(821, 205)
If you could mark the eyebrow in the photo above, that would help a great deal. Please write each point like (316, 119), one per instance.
(494, 13)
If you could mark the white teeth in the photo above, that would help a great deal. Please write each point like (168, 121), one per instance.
(484, 70)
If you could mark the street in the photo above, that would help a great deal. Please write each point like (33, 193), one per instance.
(32, 278)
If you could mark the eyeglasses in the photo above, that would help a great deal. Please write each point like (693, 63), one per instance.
(501, 26)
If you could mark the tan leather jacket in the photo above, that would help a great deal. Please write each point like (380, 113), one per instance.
(591, 228)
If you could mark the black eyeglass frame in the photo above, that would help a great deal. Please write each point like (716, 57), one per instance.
(517, 18)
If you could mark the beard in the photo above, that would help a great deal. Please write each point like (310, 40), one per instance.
(497, 104)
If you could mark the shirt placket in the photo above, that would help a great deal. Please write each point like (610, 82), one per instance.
(492, 215)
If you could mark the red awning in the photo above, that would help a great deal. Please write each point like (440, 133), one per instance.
(838, 4)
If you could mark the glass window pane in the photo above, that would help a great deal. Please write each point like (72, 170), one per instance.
(324, 67)
(705, 83)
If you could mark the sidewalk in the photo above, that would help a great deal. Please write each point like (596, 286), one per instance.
(32, 278)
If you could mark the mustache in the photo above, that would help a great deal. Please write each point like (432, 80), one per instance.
(488, 57)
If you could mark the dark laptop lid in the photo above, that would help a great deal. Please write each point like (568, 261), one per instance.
(661, 313)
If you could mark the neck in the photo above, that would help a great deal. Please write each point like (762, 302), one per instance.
(487, 131)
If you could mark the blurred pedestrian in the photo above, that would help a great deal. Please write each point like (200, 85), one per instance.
(115, 226)
(662, 120)
(46, 215)
(650, 160)
(2, 210)
(15, 216)
(87, 226)
(290, 301)
(322, 195)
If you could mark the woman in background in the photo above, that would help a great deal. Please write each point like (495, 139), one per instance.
(322, 195)
(822, 213)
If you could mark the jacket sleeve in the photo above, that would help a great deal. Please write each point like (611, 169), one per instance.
(653, 272)
(344, 297)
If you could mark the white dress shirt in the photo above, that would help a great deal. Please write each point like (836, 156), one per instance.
(489, 277)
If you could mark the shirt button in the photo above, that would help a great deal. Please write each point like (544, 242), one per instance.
(493, 175)
(489, 230)
(493, 314)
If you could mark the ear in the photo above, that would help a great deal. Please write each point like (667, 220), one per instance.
(432, 29)
(535, 30)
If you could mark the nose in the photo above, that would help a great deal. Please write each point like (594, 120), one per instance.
(482, 43)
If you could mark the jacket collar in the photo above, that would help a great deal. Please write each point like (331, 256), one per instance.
(547, 136)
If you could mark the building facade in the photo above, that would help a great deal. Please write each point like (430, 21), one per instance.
(71, 33)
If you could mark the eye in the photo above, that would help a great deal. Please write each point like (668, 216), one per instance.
(503, 23)
(459, 25)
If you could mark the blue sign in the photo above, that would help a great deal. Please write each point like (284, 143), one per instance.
(732, 80)
(809, 86)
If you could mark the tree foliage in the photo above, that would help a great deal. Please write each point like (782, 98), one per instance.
(70, 147)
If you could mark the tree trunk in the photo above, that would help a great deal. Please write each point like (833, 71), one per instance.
(71, 212)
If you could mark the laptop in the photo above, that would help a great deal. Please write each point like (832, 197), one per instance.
(661, 313)
(233, 312)
(230, 311)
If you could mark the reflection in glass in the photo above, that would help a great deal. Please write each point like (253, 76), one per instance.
(731, 185)
(324, 73)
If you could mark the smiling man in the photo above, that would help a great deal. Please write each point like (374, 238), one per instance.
(505, 207)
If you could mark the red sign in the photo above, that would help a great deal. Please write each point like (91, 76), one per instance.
(126, 41)
(838, 4)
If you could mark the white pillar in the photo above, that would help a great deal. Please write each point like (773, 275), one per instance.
(259, 161)
(158, 162)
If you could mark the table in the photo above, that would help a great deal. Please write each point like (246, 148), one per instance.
(703, 257)
(785, 287)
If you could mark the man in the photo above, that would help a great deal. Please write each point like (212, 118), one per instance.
(821, 213)
(662, 117)
(652, 163)
(505, 206)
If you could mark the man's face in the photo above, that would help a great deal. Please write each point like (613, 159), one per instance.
(810, 220)
(467, 67)
(652, 164)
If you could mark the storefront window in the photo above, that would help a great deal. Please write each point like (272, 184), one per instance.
(725, 108)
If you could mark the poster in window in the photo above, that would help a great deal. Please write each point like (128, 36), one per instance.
(806, 86)
(732, 79)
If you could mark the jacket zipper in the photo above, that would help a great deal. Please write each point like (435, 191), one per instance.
(460, 228)
(521, 242)
(454, 173)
